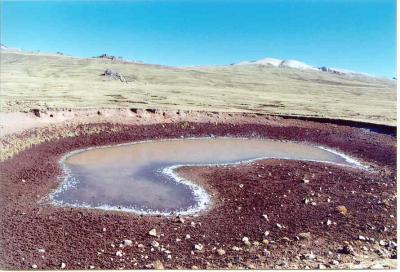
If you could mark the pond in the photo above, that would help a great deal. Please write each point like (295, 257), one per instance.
(139, 177)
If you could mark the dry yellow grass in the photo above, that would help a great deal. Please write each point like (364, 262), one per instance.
(31, 80)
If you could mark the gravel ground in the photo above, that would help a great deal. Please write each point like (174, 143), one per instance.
(265, 214)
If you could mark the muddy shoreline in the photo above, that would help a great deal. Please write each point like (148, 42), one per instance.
(82, 238)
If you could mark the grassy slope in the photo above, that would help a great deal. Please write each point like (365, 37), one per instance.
(38, 80)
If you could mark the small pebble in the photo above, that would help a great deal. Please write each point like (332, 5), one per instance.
(153, 232)
(334, 262)
(362, 238)
(155, 244)
(304, 235)
(341, 209)
(246, 241)
(279, 226)
(128, 242)
(198, 247)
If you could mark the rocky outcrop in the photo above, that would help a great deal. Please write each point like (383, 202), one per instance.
(106, 56)
(331, 70)
(114, 75)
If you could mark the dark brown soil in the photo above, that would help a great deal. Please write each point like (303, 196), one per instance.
(272, 187)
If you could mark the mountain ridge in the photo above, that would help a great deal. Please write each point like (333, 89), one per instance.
(268, 61)
(296, 64)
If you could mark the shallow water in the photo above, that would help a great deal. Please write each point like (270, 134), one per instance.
(139, 177)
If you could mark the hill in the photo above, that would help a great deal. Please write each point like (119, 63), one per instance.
(36, 80)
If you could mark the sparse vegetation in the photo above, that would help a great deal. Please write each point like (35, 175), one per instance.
(29, 79)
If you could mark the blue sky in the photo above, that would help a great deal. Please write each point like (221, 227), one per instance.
(358, 35)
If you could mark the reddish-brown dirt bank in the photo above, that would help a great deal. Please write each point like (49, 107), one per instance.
(83, 238)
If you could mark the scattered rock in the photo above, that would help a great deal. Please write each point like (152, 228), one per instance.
(153, 232)
(155, 244)
(41, 250)
(383, 229)
(198, 247)
(308, 256)
(265, 217)
(304, 235)
(187, 236)
(386, 203)
(361, 238)
(128, 242)
(246, 241)
(63, 265)
(364, 248)
(383, 252)
(347, 249)
(118, 253)
(265, 241)
(341, 209)
(235, 248)
(34, 266)
(221, 252)
(279, 226)
(266, 253)
(392, 244)
(334, 262)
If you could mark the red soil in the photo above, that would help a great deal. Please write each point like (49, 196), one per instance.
(76, 237)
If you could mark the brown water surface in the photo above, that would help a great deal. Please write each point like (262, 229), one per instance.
(139, 177)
